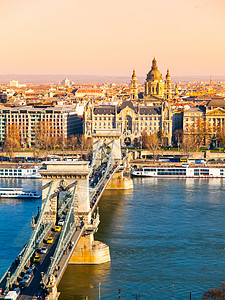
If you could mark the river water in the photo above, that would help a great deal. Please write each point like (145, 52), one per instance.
(166, 237)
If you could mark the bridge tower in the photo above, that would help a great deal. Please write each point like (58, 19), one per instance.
(103, 139)
(62, 174)
(111, 138)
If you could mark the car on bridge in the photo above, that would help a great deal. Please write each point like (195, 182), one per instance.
(11, 295)
(24, 282)
(58, 228)
(61, 222)
(36, 259)
(17, 290)
(43, 250)
(50, 240)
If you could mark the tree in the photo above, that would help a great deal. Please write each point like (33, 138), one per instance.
(153, 143)
(150, 142)
(178, 137)
(221, 135)
(188, 145)
(12, 140)
(11, 145)
(145, 140)
(43, 134)
(200, 131)
(85, 143)
(215, 293)
(73, 142)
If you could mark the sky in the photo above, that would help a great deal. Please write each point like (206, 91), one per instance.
(104, 37)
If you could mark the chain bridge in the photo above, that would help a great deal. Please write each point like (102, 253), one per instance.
(68, 219)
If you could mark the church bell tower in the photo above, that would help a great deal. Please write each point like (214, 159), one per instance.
(133, 87)
(168, 86)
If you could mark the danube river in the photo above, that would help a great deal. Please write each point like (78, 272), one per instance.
(166, 237)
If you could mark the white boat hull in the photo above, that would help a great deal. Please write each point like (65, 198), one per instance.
(177, 172)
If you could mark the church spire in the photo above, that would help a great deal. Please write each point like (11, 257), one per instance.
(154, 63)
(168, 73)
(168, 86)
(133, 87)
(134, 74)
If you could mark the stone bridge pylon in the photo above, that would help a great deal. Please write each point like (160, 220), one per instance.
(111, 139)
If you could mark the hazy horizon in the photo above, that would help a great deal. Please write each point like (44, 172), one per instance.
(94, 79)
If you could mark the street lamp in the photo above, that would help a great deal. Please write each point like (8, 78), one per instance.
(99, 294)
(173, 290)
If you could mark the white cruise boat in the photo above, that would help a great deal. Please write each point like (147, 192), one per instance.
(20, 173)
(179, 172)
(18, 193)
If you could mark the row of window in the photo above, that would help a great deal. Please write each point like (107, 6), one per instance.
(141, 118)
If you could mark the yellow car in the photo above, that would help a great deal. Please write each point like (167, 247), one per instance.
(58, 228)
(36, 259)
(50, 240)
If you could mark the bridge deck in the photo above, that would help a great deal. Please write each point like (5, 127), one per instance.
(33, 288)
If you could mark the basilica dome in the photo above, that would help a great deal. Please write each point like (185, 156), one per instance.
(154, 73)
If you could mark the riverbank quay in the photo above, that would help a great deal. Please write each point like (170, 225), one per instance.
(134, 153)
(145, 154)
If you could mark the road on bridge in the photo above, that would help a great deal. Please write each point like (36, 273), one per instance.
(42, 266)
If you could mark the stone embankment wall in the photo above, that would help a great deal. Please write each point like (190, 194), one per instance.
(137, 154)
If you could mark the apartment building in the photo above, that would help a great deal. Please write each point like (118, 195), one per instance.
(61, 122)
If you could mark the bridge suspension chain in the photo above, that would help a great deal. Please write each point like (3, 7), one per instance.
(66, 234)
(107, 171)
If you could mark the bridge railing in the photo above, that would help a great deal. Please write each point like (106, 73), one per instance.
(66, 234)
(95, 155)
(111, 171)
(109, 166)
(37, 236)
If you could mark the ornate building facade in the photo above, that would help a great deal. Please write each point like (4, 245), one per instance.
(130, 120)
(209, 119)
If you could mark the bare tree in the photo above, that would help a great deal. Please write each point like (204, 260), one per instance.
(12, 140)
(178, 136)
(200, 131)
(221, 135)
(188, 145)
(145, 139)
(215, 293)
(73, 142)
(153, 144)
(150, 142)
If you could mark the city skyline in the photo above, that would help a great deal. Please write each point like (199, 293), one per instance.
(99, 38)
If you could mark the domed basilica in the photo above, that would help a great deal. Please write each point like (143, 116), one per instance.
(156, 89)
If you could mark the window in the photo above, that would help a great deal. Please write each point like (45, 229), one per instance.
(196, 172)
(204, 172)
